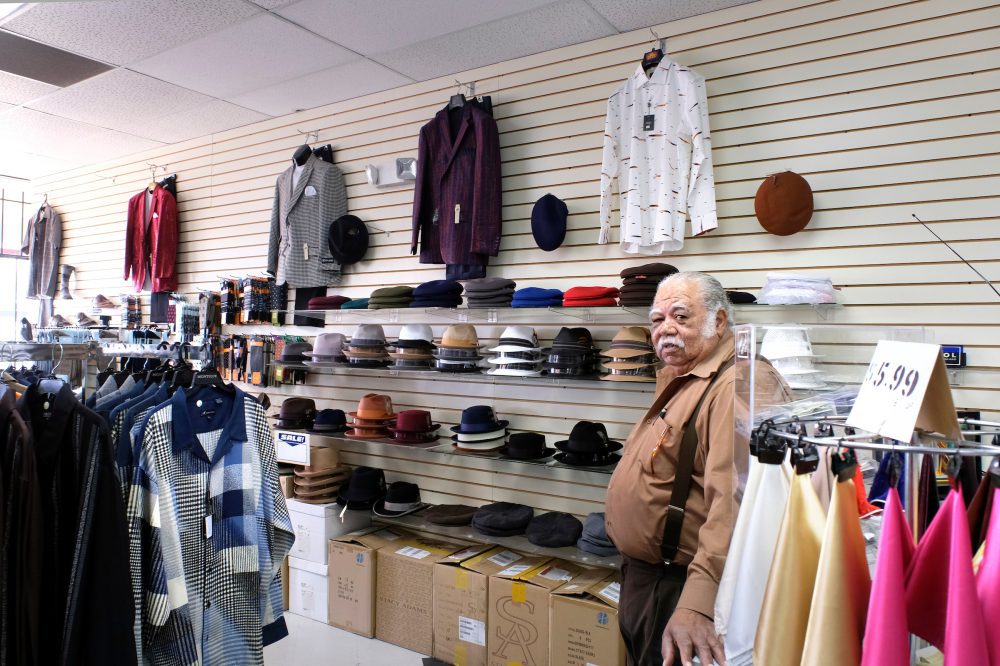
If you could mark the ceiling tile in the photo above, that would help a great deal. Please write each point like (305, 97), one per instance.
(40, 133)
(41, 62)
(123, 31)
(120, 99)
(28, 165)
(553, 26)
(16, 89)
(634, 14)
(4, 106)
(214, 116)
(258, 52)
(272, 4)
(373, 27)
(326, 87)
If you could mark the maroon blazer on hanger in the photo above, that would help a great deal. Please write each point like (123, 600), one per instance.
(151, 243)
(458, 176)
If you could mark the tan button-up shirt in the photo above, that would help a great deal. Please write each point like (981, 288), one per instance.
(640, 488)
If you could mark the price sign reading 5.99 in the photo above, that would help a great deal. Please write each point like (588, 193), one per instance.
(892, 393)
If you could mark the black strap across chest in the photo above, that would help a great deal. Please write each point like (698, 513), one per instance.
(682, 476)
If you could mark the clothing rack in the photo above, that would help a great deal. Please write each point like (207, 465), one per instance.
(765, 434)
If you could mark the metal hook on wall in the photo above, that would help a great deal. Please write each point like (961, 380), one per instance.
(310, 133)
(661, 42)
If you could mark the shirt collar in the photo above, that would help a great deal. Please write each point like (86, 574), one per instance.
(185, 437)
(659, 75)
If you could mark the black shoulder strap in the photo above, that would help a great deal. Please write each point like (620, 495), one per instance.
(682, 476)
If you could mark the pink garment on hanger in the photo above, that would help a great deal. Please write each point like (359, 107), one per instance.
(988, 580)
(887, 639)
(942, 605)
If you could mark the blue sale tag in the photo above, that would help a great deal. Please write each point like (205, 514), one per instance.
(954, 355)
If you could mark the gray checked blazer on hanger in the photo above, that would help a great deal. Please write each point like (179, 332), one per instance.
(298, 252)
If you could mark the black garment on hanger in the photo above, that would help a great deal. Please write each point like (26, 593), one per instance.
(302, 154)
(324, 153)
(170, 184)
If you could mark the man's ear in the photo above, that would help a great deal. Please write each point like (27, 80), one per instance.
(721, 321)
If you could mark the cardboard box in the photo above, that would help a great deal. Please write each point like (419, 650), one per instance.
(519, 610)
(316, 524)
(352, 569)
(405, 590)
(307, 589)
(583, 622)
(461, 605)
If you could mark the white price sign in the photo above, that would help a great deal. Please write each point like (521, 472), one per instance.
(906, 385)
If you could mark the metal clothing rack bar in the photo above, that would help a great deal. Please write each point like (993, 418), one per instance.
(767, 431)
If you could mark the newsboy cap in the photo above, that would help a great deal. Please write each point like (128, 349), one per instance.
(548, 222)
(502, 519)
(554, 530)
(348, 239)
(784, 203)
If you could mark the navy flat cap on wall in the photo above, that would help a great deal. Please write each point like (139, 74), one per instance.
(548, 222)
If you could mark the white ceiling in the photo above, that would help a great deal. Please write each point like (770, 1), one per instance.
(187, 68)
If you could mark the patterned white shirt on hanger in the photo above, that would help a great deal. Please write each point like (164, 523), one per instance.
(664, 170)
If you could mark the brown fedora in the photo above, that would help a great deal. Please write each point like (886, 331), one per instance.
(630, 341)
(784, 203)
(374, 406)
(463, 336)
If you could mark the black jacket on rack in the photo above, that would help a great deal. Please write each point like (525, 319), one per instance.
(70, 553)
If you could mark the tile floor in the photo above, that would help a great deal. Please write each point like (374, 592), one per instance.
(311, 642)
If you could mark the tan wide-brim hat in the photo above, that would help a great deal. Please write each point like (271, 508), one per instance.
(630, 341)
(784, 203)
(463, 336)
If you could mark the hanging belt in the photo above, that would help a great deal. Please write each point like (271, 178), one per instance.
(682, 477)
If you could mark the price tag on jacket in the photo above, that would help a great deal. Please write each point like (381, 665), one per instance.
(906, 387)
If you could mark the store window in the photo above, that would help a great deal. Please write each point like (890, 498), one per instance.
(13, 265)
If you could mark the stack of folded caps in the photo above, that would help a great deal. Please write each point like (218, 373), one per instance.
(502, 519)
(414, 426)
(554, 530)
(536, 297)
(458, 350)
(572, 354)
(591, 297)
(437, 294)
(518, 354)
(633, 358)
(639, 283)
(390, 297)
(594, 539)
(329, 422)
(327, 302)
(489, 292)
(363, 490)
(414, 348)
(793, 288)
(355, 304)
(367, 347)
(588, 446)
(790, 351)
(373, 417)
(320, 482)
(327, 351)
(479, 431)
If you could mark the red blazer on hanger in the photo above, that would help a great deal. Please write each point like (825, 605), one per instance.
(151, 243)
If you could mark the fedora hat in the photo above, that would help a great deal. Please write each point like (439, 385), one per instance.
(517, 339)
(527, 446)
(573, 339)
(324, 459)
(504, 358)
(414, 421)
(334, 476)
(347, 239)
(294, 354)
(548, 222)
(646, 373)
(329, 421)
(784, 203)
(374, 406)
(786, 342)
(327, 346)
(401, 498)
(517, 370)
(355, 433)
(638, 363)
(630, 341)
(588, 438)
(368, 335)
(295, 413)
(586, 459)
(415, 336)
(478, 419)
(461, 336)
(413, 437)
(365, 487)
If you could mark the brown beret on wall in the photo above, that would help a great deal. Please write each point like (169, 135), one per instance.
(784, 203)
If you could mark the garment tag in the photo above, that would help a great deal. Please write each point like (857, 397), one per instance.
(458, 212)
(208, 527)
(648, 121)
(310, 191)
(436, 216)
(305, 251)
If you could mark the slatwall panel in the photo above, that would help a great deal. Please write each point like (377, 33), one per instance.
(888, 108)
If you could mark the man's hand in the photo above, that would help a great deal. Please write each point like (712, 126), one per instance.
(692, 633)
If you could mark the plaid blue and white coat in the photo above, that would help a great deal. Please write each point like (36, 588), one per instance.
(208, 594)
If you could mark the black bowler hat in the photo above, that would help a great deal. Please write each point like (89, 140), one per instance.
(502, 519)
(365, 487)
(554, 530)
(348, 239)
(329, 421)
(588, 438)
(527, 446)
(477, 419)
(548, 222)
(401, 498)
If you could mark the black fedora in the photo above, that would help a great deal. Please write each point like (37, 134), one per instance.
(401, 498)
(348, 239)
(477, 419)
(328, 422)
(527, 446)
(588, 438)
(296, 413)
(365, 487)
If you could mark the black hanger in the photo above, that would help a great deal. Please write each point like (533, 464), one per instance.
(651, 58)
(994, 472)
(894, 468)
(805, 458)
(211, 377)
(843, 463)
(302, 154)
(456, 101)
(953, 467)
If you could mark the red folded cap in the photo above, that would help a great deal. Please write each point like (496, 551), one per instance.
(583, 293)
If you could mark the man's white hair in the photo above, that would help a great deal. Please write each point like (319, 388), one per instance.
(713, 297)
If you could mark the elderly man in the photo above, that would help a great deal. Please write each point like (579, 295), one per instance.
(673, 499)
